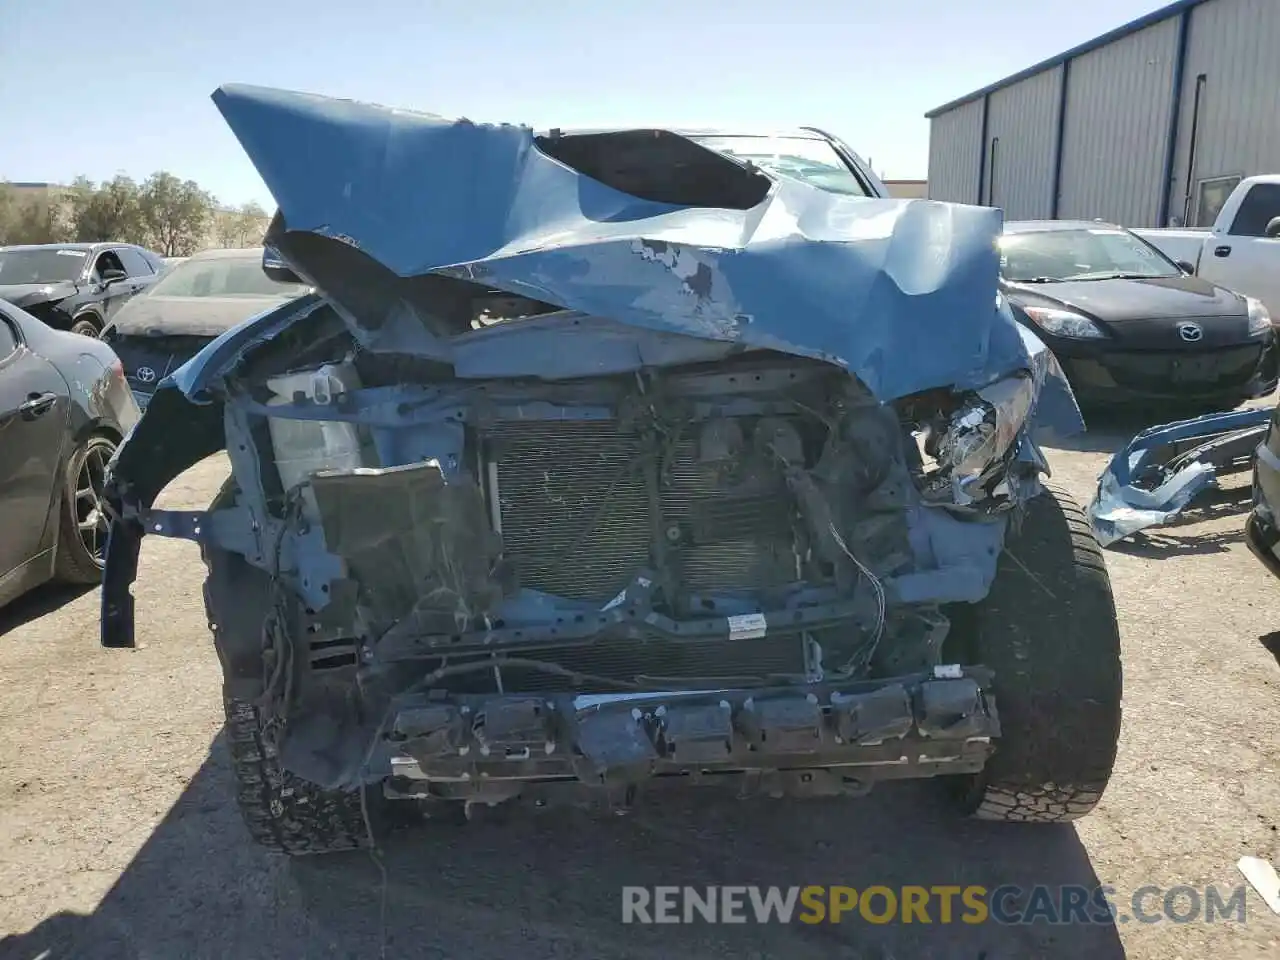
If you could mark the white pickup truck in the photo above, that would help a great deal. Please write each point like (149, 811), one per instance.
(1242, 250)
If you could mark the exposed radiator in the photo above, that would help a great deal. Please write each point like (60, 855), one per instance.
(577, 521)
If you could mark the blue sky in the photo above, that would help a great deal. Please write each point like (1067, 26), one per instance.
(124, 87)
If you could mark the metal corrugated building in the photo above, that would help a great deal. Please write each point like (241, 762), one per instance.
(1151, 124)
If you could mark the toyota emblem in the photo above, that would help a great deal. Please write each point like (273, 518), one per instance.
(1191, 332)
(147, 375)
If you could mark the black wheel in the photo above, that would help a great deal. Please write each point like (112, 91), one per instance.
(82, 537)
(86, 326)
(283, 812)
(1048, 629)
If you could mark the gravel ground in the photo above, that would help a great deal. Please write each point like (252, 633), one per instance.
(119, 837)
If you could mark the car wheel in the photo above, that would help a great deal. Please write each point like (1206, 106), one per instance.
(283, 812)
(82, 538)
(86, 326)
(1048, 630)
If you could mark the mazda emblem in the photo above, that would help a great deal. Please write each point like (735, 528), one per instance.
(147, 375)
(1191, 332)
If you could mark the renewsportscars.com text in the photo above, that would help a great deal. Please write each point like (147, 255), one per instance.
(942, 904)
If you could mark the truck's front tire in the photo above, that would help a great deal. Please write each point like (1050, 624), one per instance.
(1048, 629)
(285, 813)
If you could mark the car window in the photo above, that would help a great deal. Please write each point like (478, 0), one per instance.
(812, 160)
(1260, 206)
(1211, 194)
(8, 339)
(222, 277)
(135, 263)
(1043, 256)
(107, 260)
(40, 265)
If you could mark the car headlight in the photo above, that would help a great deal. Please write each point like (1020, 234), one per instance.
(973, 446)
(1065, 323)
(1259, 317)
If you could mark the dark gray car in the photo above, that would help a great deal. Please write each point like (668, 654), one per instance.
(64, 406)
(76, 286)
(193, 302)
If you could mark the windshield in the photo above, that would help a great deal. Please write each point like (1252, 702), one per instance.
(222, 277)
(811, 160)
(1085, 254)
(40, 266)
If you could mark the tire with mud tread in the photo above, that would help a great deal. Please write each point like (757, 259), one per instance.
(82, 487)
(86, 325)
(283, 812)
(1048, 629)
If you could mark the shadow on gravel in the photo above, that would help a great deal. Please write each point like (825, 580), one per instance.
(550, 885)
(1107, 430)
(1272, 642)
(40, 601)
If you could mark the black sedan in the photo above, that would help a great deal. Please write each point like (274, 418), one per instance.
(76, 286)
(64, 406)
(195, 301)
(1127, 323)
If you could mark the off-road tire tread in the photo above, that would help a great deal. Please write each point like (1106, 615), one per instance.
(71, 564)
(1058, 675)
(283, 812)
(86, 320)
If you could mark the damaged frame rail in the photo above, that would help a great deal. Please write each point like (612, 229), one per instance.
(1158, 473)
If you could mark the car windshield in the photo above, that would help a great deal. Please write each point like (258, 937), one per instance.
(222, 277)
(1047, 256)
(809, 159)
(40, 266)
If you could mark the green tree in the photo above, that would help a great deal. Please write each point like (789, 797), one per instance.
(37, 219)
(8, 214)
(176, 214)
(243, 226)
(111, 211)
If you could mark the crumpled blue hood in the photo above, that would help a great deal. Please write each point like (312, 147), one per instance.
(900, 292)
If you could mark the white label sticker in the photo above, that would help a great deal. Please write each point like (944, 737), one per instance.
(948, 671)
(71, 253)
(614, 602)
(750, 626)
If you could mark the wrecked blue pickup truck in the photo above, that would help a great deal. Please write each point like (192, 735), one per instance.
(607, 462)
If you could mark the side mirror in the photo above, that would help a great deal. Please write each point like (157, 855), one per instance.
(1273, 229)
(1186, 266)
(273, 266)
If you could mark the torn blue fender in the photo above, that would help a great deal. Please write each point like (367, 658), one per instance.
(396, 218)
(899, 292)
(1164, 468)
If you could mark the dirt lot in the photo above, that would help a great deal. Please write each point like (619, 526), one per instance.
(119, 837)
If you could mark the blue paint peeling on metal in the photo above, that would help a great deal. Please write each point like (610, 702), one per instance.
(902, 293)
(1133, 26)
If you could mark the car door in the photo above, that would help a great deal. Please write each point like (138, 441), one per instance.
(113, 281)
(34, 412)
(141, 274)
(1245, 259)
